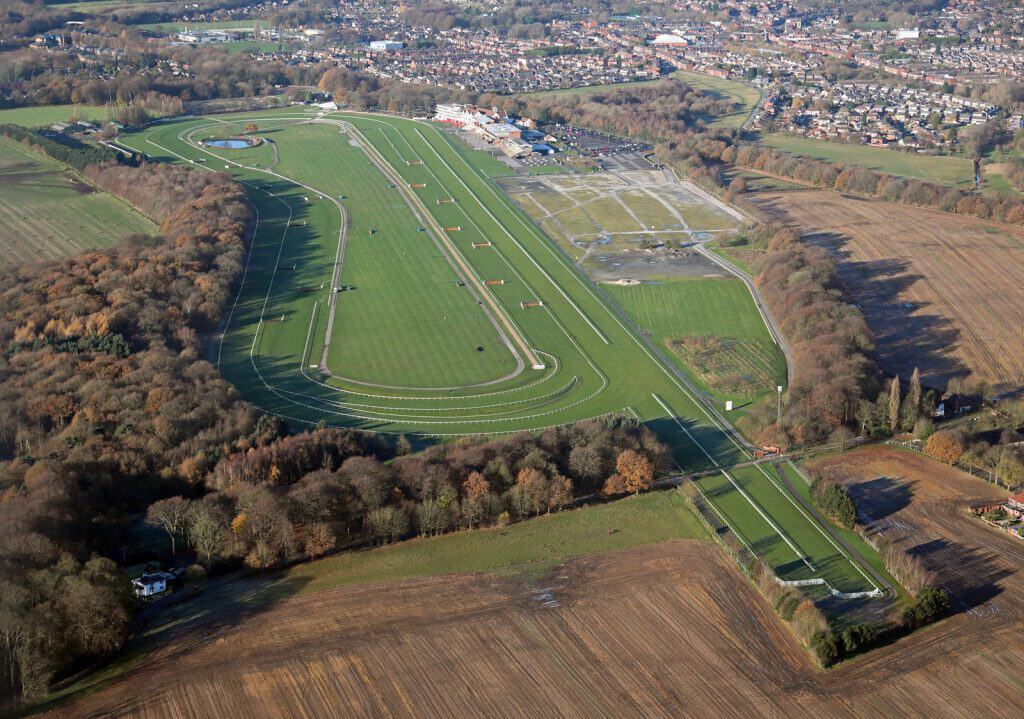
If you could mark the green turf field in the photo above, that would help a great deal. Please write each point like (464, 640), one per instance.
(705, 307)
(240, 46)
(934, 168)
(46, 115)
(94, 7)
(47, 211)
(170, 27)
(527, 342)
(745, 96)
(528, 548)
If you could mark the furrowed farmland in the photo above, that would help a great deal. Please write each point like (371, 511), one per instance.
(667, 629)
(391, 286)
(46, 211)
(940, 291)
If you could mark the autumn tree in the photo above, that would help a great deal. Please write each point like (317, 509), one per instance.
(319, 540)
(170, 515)
(945, 446)
(474, 491)
(614, 486)
(636, 470)
(432, 517)
(1010, 469)
(560, 492)
(387, 524)
(370, 477)
(535, 489)
(251, 127)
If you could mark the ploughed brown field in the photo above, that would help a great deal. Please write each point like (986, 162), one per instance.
(939, 291)
(664, 630)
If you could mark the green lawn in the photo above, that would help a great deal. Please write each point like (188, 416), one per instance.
(934, 168)
(240, 46)
(111, 6)
(171, 27)
(46, 115)
(408, 322)
(46, 211)
(746, 96)
(699, 307)
(528, 548)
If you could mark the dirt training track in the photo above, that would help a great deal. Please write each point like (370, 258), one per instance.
(940, 291)
(666, 630)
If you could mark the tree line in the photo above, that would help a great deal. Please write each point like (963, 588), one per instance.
(645, 111)
(833, 370)
(33, 78)
(878, 185)
(106, 404)
(308, 494)
(68, 150)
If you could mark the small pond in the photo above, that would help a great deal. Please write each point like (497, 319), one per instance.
(231, 143)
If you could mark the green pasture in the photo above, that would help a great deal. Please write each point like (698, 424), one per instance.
(170, 27)
(699, 307)
(933, 168)
(46, 115)
(240, 46)
(528, 548)
(46, 211)
(743, 95)
(93, 7)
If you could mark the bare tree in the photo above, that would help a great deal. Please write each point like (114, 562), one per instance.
(170, 514)
(206, 531)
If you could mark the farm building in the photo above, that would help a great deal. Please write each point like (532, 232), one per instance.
(151, 584)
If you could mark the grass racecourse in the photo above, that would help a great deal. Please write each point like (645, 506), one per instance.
(391, 286)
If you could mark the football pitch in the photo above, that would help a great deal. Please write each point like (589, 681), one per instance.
(391, 286)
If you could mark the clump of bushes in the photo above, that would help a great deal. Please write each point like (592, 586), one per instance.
(835, 500)
(830, 646)
(931, 604)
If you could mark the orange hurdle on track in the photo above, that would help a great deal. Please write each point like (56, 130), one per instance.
(527, 305)
(478, 245)
(494, 282)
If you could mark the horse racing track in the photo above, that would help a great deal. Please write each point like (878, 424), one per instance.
(391, 286)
